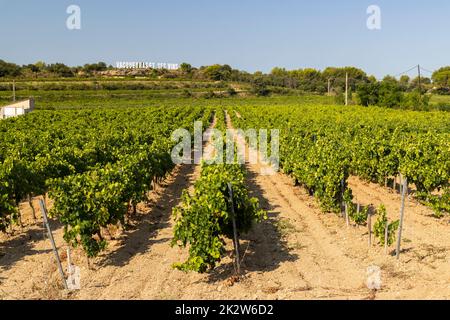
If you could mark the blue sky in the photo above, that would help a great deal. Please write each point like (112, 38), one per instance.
(247, 34)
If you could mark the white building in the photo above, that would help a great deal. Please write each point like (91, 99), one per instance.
(17, 108)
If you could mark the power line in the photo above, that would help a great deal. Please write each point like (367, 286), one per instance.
(423, 69)
(416, 67)
(402, 73)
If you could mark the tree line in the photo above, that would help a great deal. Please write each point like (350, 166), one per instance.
(42, 69)
(308, 79)
(363, 88)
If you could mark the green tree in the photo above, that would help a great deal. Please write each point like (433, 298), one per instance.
(95, 67)
(404, 82)
(390, 93)
(279, 72)
(368, 93)
(41, 65)
(218, 72)
(259, 87)
(337, 75)
(9, 69)
(441, 77)
(60, 69)
(186, 68)
(311, 80)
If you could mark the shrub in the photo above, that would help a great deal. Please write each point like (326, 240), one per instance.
(380, 225)
(231, 92)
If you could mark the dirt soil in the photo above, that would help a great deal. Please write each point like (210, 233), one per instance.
(297, 253)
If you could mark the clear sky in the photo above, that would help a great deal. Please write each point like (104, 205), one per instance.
(247, 34)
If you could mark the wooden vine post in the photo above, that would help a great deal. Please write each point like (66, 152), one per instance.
(402, 212)
(235, 234)
(343, 204)
(347, 219)
(386, 236)
(30, 202)
(50, 235)
(400, 182)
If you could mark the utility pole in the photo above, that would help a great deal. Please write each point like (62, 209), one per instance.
(420, 83)
(346, 88)
(14, 90)
(329, 87)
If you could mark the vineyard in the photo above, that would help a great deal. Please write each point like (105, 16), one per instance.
(224, 159)
(322, 147)
(94, 165)
(100, 170)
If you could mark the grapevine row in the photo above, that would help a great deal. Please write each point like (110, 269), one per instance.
(205, 217)
(93, 164)
(322, 146)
